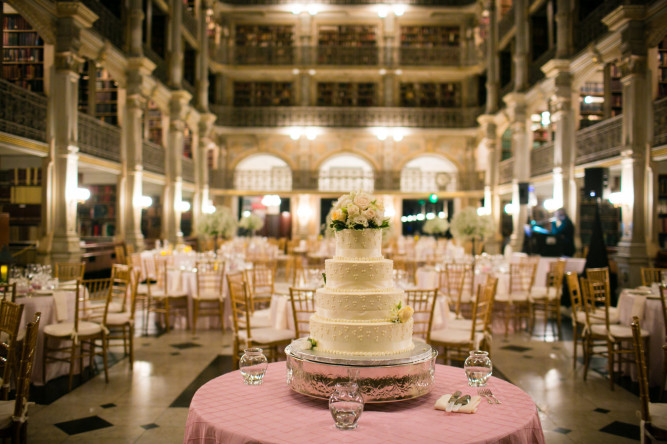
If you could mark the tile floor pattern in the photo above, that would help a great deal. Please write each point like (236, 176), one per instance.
(149, 405)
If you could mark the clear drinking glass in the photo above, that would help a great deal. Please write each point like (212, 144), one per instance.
(253, 366)
(346, 405)
(478, 368)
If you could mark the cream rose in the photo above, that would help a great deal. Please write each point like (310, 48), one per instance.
(362, 200)
(338, 215)
(379, 205)
(405, 313)
(343, 202)
(358, 220)
(370, 214)
(353, 210)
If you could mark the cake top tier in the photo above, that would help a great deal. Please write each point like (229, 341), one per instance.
(359, 243)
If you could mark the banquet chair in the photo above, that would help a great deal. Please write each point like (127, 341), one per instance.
(309, 275)
(14, 413)
(258, 318)
(459, 282)
(121, 324)
(69, 271)
(246, 336)
(261, 281)
(466, 324)
(617, 337)
(208, 299)
(547, 298)
(91, 299)
(653, 424)
(303, 306)
(164, 296)
(141, 293)
(404, 264)
(455, 342)
(121, 274)
(423, 303)
(8, 292)
(121, 253)
(652, 275)
(10, 319)
(579, 322)
(515, 299)
(599, 278)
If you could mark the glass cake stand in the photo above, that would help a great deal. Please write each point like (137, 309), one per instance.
(390, 378)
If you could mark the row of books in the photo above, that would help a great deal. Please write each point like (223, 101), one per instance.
(23, 71)
(21, 39)
(21, 176)
(23, 55)
(15, 22)
(592, 87)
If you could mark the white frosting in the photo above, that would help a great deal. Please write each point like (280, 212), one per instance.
(359, 243)
(357, 306)
(375, 338)
(359, 275)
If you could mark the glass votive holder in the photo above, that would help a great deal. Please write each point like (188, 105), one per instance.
(478, 368)
(346, 405)
(253, 366)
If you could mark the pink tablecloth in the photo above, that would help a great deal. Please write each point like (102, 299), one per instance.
(227, 411)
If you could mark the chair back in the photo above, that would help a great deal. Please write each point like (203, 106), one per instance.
(157, 268)
(575, 293)
(640, 359)
(423, 303)
(92, 301)
(137, 263)
(483, 306)
(121, 277)
(303, 306)
(587, 301)
(8, 292)
(554, 285)
(260, 283)
(522, 277)
(25, 367)
(309, 274)
(240, 302)
(599, 275)
(10, 319)
(210, 279)
(403, 263)
(121, 253)
(69, 271)
(459, 279)
(652, 275)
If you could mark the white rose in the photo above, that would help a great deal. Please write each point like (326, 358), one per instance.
(370, 214)
(362, 200)
(343, 202)
(358, 220)
(353, 210)
(379, 218)
(379, 205)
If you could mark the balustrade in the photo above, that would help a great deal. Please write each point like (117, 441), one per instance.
(542, 159)
(599, 141)
(592, 27)
(153, 157)
(99, 139)
(107, 24)
(188, 170)
(506, 170)
(22, 113)
(160, 70)
(276, 179)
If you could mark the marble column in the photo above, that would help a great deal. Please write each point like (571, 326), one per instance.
(176, 42)
(202, 195)
(521, 45)
(491, 58)
(61, 239)
(516, 107)
(489, 146)
(636, 139)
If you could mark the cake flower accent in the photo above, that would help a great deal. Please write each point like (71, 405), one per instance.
(358, 210)
(401, 314)
(310, 344)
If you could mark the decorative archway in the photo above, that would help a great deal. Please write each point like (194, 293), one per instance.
(428, 174)
(346, 172)
(261, 172)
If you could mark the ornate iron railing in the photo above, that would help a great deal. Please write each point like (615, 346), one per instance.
(99, 139)
(443, 3)
(342, 179)
(660, 122)
(278, 179)
(436, 56)
(542, 159)
(108, 25)
(599, 141)
(153, 157)
(506, 23)
(188, 170)
(22, 113)
(190, 23)
(506, 170)
(346, 117)
(535, 73)
(592, 27)
(160, 64)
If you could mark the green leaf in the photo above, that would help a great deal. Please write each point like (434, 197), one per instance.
(324, 276)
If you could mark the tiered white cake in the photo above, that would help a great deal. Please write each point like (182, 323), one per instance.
(357, 311)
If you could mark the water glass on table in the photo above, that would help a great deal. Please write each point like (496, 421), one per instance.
(478, 368)
(346, 405)
(253, 365)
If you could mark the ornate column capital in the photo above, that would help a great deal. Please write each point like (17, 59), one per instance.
(206, 122)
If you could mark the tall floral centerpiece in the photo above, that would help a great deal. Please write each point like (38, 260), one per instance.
(356, 211)
(436, 226)
(221, 224)
(251, 223)
(467, 225)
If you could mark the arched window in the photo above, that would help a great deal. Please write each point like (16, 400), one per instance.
(428, 174)
(261, 172)
(346, 172)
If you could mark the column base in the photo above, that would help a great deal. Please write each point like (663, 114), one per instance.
(65, 248)
(631, 257)
(136, 240)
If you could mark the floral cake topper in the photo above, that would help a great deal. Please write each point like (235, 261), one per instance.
(358, 210)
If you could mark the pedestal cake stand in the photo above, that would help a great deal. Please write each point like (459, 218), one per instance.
(381, 379)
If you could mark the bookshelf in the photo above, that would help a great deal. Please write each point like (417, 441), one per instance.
(98, 94)
(591, 103)
(263, 94)
(662, 211)
(662, 68)
(97, 216)
(347, 35)
(346, 94)
(429, 36)
(22, 61)
(609, 216)
(442, 95)
(151, 220)
(616, 91)
(153, 125)
(21, 197)
(264, 35)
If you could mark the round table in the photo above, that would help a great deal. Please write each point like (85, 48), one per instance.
(226, 411)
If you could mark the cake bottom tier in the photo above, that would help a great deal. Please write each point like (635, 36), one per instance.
(357, 338)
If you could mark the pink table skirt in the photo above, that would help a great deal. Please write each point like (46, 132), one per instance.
(227, 411)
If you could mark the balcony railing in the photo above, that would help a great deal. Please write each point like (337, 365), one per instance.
(542, 159)
(660, 122)
(600, 141)
(99, 139)
(591, 27)
(108, 25)
(153, 157)
(506, 23)
(188, 170)
(190, 23)
(22, 113)
(160, 64)
(346, 117)
(535, 73)
(443, 3)
(277, 179)
(506, 172)
(340, 55)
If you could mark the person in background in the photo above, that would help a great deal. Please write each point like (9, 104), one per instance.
(563, 228)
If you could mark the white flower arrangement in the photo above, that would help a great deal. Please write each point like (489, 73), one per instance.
(358, 210)
(251, 222)
(220, 223)
(467, 225)
(435, 226)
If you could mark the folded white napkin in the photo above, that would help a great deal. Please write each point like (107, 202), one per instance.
(471, 407)
(60, 302)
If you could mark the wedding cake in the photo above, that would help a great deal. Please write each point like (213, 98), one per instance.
(358, 311)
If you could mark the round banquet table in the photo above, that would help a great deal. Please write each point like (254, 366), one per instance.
(227, 411)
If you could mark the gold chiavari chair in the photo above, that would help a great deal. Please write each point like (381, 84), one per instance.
(10, 319)
(69, 271)
(261, 281)
(406, 265)
(121, 324)
(141, 293)
(579, 319)
(423, 303)
(121, 253)
(515, 299)
(209, 298)
(8, 292)
(15, 420)
(466, 324)
(303, 306)
(459, 282)
(164, 296)
(547, 299)
(652, 275)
